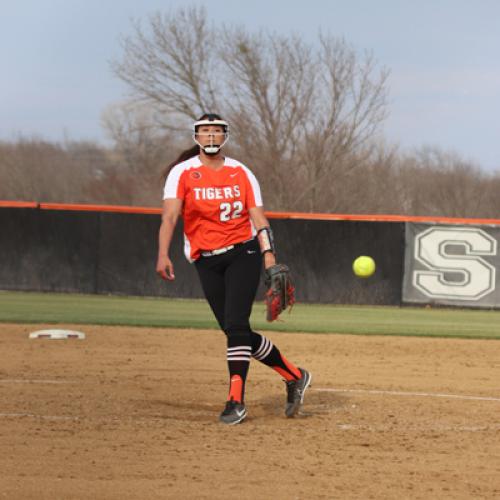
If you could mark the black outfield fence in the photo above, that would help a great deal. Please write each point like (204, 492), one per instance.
(46, 250)
(112, 250)
(320, 255)
(108, 252)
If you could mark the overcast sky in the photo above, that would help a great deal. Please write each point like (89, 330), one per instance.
(444, 58)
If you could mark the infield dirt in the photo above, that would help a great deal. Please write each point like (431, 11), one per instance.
(131, 413)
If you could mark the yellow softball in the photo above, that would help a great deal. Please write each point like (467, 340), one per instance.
(363, 266)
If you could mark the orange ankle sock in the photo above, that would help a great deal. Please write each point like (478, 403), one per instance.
(292, 372)
(236, 389)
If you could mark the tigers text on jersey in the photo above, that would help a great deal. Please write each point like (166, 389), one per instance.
(215, 203)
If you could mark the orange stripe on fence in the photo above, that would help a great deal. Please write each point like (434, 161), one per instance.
(271, 215)
(100, 208)
(18, 204)
(380, 218)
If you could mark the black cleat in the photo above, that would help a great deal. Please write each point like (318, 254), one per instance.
(233, 413)
(295, 390)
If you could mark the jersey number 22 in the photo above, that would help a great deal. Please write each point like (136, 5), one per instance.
(230, 211)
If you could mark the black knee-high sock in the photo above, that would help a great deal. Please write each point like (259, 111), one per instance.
(266, 352)
(239, 352)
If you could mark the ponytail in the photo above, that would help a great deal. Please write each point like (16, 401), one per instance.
(185, 155)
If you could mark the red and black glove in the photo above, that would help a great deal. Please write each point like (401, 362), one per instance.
(280, 292)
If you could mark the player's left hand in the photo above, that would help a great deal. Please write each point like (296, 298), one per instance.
(269, 260)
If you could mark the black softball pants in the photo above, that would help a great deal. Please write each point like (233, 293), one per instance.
(230, 282)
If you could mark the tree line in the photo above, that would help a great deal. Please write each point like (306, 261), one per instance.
(428, 181)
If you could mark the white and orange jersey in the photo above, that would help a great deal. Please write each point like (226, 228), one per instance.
(215, 203)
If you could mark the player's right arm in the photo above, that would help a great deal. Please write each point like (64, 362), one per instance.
(172, 208)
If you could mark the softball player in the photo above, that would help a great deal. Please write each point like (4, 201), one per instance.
(226, 236)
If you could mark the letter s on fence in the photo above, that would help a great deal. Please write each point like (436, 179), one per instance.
(476, 276)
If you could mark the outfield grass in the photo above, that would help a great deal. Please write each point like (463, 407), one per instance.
(19, 307)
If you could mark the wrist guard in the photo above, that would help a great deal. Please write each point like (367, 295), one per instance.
(266, 240)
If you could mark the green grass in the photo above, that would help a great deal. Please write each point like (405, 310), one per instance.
(19, 307)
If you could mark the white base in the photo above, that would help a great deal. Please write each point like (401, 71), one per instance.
(56, 334)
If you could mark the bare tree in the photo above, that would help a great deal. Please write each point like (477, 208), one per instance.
(298, 111)
(272, 84)
(348, 110)
(136, 138)
(436, 182)
(367, 183)
(171, 66)
(33, 169)
(140, 150)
